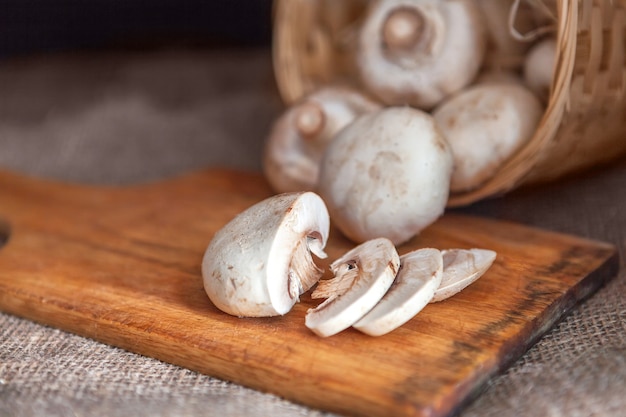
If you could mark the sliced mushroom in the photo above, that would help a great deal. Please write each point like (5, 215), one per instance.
(484, 126)
(387, 174)
(418, 52)
(299, 137)
(362, 277)
(260, 262)
(419, 277)
(460, 269)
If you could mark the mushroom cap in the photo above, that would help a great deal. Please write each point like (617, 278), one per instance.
(418, 279)
(539, 67)
(387, 174)
(247, 267)
(444, 60)
(300, 135)
(484, 126)
(374, 265)
(461, 267)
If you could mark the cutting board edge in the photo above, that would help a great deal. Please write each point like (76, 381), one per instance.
(590, 285)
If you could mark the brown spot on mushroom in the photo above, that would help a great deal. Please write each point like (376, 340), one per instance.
(392, 267)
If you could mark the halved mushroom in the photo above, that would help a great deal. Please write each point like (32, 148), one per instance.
(415, 285)
(417, 52)
(260, 262)
(387, 174)
(362, 276)
(461, 267)
(299, 137)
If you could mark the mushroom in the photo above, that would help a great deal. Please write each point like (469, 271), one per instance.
(418, 52)
(260, 262)
(461, 267)
(299, 137)
(418, 279)
(386, 175)
(484, 126)
(362, 276)
(539, 67)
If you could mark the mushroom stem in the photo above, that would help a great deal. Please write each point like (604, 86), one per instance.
(303, 272)
(345, 275)
(310, 120)
(403, 28)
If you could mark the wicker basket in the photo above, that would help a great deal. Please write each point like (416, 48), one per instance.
(585, 120)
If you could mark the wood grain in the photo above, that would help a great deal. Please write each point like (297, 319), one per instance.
(122, 266)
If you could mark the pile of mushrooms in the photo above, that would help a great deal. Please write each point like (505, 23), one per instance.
(261, 262)
(449, 90)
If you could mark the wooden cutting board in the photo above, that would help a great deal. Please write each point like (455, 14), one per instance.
(122, 266)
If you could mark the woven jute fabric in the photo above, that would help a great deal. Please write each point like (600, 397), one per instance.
(118, 118)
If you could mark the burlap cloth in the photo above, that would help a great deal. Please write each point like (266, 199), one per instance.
(120, 118)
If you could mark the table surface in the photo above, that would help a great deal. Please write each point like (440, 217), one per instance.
(119, 118)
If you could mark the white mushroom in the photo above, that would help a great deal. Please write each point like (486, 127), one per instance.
(539, 67)
(299, 137)
(418, 279)
(387, 174)
(362, 277)
(260, 262)
(484, 126)
(417, 52)
(461, 268)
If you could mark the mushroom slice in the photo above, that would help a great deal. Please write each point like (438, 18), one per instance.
(461, 268)
(362, 277)
(418, 279)
(260, 262)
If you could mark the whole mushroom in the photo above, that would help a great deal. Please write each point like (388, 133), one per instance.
(299, 137)
(386, 175)
(418, 52)
(539, 67)
(484, 126)
(260, 262)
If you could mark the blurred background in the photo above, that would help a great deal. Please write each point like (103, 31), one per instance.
(31, 26)
(125, 91)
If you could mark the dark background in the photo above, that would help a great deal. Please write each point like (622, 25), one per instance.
(35, 26)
